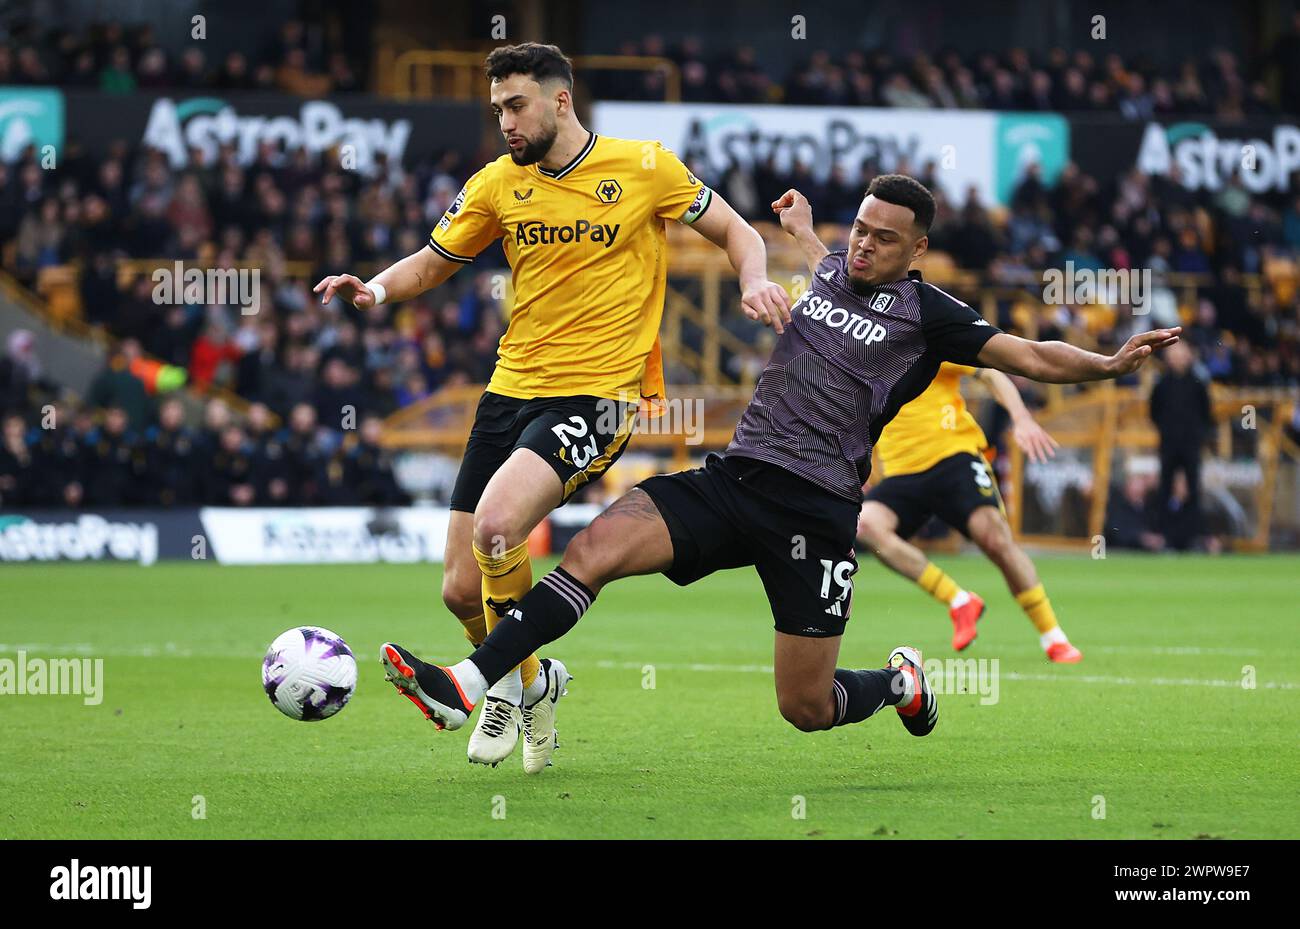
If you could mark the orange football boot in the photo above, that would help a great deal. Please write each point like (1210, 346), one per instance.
(1064, 653)
(964, 618)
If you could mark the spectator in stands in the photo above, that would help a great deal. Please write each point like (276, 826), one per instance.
(234, 73)
(973, 240)
(193, 73)
(342, 77)
(269, 468)
(172, 458)
(229, 478)
(210, 352)
(117, 387)
(17, 464)
(294, 76)
(337, 399)
(114, 463)
(304, 457)
(21, 374)
(1180, 410)
(369, 469)
(1130, 516)
(41, 238)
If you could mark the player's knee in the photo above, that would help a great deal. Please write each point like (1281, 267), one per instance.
(591, 557)
(805, 714)
(874, 529)
(494, 530)
(462, 592)
(994, 539)
(872, 534)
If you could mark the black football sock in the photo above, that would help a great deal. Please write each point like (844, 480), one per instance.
(545, 613)
(858, 694)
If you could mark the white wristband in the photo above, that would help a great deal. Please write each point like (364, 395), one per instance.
(381, 294)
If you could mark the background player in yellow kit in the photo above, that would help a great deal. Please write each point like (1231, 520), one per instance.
(933, 461)
(581, 218)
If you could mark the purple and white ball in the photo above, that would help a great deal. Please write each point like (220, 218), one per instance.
(309, 673)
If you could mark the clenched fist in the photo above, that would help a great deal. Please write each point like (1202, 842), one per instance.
(794, 212)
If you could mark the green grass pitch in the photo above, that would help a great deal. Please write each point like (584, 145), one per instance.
(1154, 729)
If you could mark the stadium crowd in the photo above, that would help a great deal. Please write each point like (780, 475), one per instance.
(1017, 79)
(101, 460)
(117, 58)
(294, 218)
(299, 217)
(328, 372)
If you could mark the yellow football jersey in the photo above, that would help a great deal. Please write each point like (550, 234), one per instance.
(934, 426)
(588, 252)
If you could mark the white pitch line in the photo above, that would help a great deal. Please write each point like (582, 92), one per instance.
(1005, 675)
(1175, 650)
(172, 650)
(1157, 681)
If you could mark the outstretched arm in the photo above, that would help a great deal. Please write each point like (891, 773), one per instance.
(408, 278)
(1032, 438)
(760, 298)
(795, 214)
(1061, 363)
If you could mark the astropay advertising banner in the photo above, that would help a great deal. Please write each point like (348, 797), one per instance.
(404, 132)
(143, 536)
(334, 535)
(1263, 154)
(985, 150)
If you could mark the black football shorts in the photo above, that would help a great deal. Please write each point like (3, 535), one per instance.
(580, 437)
(736, 511)
(952, 489)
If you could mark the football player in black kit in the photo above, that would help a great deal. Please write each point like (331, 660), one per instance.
(867, 337)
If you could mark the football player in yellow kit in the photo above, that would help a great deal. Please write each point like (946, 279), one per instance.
(582, 221)
(932, 456)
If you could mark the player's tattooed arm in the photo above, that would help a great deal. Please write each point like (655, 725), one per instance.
(760, 299)
(795, 214)
(408, 278)
(1062, 363)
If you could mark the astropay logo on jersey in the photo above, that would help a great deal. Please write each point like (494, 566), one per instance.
(862, 328)
(536, 232)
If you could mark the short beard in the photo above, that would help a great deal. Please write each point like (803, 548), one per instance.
(535, 149)
(857, 286)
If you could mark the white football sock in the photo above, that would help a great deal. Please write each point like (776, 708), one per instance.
(510, 687)
(959, 599)
(471, 680)
(537, 689)
(1051, 637)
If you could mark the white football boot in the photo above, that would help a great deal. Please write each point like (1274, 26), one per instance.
(496, 733)
(540, 737)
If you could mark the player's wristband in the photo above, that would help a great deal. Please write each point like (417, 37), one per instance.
(380, 292)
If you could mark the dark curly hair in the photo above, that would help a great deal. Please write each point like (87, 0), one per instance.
(540, 62)
(902, 190)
